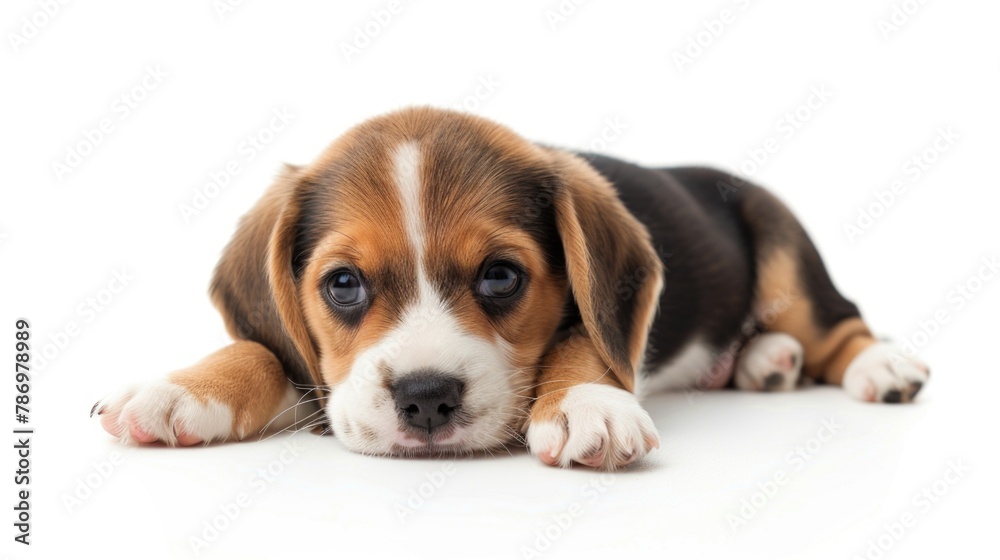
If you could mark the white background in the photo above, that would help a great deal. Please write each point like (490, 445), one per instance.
(561, 82)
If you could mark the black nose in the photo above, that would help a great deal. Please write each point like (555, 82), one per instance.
(427, 400)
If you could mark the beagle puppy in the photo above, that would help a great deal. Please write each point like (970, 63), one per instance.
(435, 284)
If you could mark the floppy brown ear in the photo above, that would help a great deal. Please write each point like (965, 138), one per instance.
(614, 272)
(254, 284)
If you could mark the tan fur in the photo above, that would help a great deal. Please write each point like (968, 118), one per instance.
(604, 246)
(840, 346)
(283, 285)
(781, 297)
(244, 376)
(576, 361)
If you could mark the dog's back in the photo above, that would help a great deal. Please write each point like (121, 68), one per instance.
(737, 264)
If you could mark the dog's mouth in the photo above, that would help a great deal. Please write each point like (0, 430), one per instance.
(444, 440)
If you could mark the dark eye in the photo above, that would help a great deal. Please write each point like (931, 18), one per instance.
(345, 288)
(500, 281)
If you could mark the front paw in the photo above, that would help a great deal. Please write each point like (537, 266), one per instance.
(164, 412)
(595, 425)
(884, 373)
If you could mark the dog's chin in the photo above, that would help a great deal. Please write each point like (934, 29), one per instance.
(449, 442)
(408, 441)
(428, 450)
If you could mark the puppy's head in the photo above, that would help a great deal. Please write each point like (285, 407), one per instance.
(422, 267)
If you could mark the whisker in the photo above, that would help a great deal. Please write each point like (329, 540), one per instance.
(287, 428)
(297, 404)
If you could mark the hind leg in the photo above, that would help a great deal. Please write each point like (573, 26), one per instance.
(770, 362)
(795, 297)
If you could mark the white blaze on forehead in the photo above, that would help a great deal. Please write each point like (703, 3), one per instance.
(407, 170)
